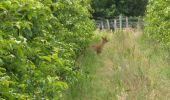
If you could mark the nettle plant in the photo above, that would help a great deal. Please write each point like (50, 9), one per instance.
(39, 43)
(157, 21)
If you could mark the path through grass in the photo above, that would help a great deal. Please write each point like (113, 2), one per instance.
(129, 68)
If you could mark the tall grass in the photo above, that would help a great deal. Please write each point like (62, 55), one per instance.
(129, 68)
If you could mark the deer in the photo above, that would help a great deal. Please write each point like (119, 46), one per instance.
(98, 47)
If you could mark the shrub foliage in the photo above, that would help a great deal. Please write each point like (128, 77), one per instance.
(39, 43)
(157, 20)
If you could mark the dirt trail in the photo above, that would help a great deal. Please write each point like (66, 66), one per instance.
(125, 70)
(108, 82)
(103, 81)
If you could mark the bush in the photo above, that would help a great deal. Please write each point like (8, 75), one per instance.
(157, 21)
(39, 43)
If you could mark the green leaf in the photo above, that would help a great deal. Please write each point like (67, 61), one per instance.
(1, 63)
(48, 58)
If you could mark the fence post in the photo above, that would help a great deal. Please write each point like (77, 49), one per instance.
(127, 22)
(120, 21)
(115, 24)
(108, 25)
(138, 24)
(102, 25)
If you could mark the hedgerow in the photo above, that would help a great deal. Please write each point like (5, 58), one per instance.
(39, 43)
(157, 21)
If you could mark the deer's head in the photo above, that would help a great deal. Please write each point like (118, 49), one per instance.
(104, 40)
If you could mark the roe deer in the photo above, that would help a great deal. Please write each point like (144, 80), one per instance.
(98, 47)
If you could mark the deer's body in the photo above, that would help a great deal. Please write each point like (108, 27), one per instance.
(98, 47)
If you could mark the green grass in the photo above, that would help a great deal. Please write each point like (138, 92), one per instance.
(129, 68)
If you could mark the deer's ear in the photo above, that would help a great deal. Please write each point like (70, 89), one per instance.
(103, 38)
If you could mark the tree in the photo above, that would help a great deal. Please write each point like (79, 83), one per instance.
(111, 8)
(103, 8)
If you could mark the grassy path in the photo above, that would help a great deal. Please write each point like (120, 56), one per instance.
(127, 69)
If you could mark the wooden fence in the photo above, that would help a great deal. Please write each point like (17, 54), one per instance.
(120, 23)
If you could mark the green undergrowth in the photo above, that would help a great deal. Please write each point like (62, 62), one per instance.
(130, 68)
(87, 63)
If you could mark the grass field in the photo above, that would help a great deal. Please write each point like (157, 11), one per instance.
(129, 68)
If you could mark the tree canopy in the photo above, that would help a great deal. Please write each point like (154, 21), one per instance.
(111, 8)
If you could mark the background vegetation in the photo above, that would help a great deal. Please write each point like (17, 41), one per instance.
(112, 8)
